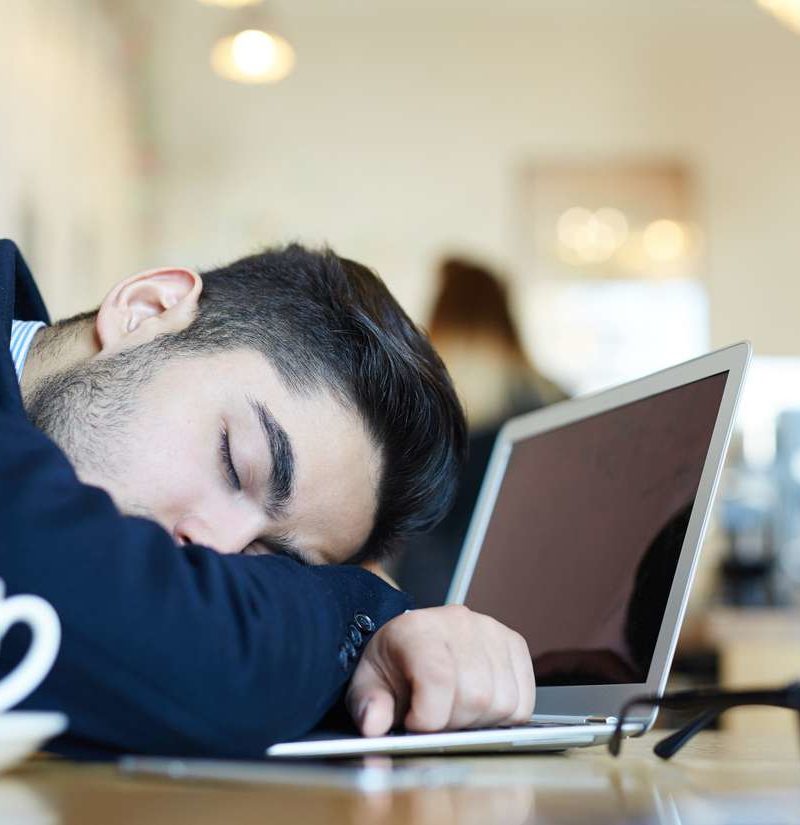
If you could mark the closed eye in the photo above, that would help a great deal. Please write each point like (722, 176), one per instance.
(227, 462)
(277, 546)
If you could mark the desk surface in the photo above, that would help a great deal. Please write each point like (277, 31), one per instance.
(718, 778)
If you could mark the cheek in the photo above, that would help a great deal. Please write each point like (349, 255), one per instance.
(170, 467)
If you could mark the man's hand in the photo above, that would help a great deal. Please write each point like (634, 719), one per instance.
(442, 668)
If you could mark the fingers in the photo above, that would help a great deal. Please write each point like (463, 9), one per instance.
(491, 684)
(433, 687)
(477, 673)
(377, 713)
(522, 665)
(479, 681)
(372, 699)
(442, 668)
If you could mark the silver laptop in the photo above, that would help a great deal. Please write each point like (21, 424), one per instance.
(585, 539)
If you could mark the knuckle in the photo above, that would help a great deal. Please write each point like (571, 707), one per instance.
(508, 700)
(506, 694)
(506, 706)
(436, 671)
(477, 698)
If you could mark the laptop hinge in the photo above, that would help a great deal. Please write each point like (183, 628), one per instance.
(574, 720)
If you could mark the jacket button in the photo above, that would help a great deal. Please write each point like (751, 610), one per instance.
(354, 634)
(349, 649)
(344, 659)
(364, 623)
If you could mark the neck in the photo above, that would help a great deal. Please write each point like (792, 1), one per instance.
(55, 349)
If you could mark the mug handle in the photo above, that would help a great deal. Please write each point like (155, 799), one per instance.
(35, 665)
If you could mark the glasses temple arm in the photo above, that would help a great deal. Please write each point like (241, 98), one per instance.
(789, 698)
(674, 742)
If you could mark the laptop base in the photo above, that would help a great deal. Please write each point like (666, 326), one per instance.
(536, 736)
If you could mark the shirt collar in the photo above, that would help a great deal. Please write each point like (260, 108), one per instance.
(22, 333)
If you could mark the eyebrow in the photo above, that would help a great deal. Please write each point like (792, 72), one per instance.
(281, 479)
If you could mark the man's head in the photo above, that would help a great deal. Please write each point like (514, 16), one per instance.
(340, 421)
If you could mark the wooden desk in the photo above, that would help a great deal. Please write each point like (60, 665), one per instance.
(721, 777)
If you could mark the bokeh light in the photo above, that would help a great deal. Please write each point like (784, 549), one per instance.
(665, 241)
(253, 56)
(591, 237)
(787, 11)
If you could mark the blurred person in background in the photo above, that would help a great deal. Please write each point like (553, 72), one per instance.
(474, 332)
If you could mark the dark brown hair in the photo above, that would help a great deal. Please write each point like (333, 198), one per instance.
(473, 303)
(325, 320)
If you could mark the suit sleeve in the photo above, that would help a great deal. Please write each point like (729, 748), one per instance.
(166, 649)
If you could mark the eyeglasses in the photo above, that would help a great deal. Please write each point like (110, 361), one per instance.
(709, 703)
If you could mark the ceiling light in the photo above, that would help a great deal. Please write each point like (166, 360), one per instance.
(253, 56)
(787, 11)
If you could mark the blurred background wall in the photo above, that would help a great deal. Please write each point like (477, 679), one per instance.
(405, 126)
(69, 146)
(401, 134)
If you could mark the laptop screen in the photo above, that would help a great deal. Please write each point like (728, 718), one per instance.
(587, 528)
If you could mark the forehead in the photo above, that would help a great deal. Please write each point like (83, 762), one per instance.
(336, 464)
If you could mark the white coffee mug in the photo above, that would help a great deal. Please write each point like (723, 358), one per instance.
(39, 658)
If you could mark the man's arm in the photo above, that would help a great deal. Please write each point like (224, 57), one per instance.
(167, 649)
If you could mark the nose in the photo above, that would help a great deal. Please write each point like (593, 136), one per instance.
(227, 536)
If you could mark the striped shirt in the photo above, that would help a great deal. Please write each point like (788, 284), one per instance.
(22, 333)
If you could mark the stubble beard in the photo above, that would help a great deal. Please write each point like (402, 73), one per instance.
(88, 409)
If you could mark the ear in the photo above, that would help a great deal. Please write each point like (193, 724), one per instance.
(145, 305)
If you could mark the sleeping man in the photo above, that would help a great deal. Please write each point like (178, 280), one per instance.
(196, 474)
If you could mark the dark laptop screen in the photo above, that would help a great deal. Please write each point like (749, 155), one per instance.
(582, 545)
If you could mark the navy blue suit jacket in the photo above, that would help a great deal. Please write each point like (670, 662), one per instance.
(166, 649)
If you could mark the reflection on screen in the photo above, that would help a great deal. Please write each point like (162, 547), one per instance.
(582, 545)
